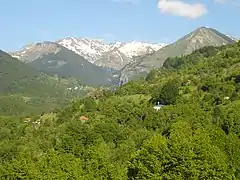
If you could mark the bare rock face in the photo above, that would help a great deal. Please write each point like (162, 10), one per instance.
(33, 52)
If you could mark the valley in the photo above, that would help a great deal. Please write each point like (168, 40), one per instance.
(80, 109)
(119, 135)
(125, 59)
(53, 72)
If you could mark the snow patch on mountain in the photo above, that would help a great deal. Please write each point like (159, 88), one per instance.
(136, 48)
(233, 38)
(92, 50)
(114, 55)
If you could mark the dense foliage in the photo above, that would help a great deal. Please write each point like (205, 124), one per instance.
(24, 90)
(119, 135)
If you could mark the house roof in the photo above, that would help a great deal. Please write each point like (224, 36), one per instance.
(83, 118)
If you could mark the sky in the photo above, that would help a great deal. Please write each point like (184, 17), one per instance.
(155, 21)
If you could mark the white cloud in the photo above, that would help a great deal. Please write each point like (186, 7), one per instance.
(181, 8)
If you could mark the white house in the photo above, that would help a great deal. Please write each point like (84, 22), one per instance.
(158, 106)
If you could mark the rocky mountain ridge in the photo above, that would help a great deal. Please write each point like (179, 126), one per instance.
(124, 60)
(114, 55)
(33, 51)
(199, 38)
(92, 49)
(50, 57)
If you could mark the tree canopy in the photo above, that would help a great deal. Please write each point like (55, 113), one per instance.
(194, 136)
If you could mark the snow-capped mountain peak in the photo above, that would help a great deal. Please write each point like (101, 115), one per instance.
(233, 38)
(92, 50)
(114, 55)
(136, 48)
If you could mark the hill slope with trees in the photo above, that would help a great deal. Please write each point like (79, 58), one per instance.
(50, 57)
(119, 135)
(24, 89)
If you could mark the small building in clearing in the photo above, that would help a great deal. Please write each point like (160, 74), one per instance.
(158, 106)
(83, 118)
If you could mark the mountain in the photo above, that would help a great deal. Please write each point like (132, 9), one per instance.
(53, 58)
(90, 49)
(197, 39)
(114, 55)
(233, 38)
(194, 133)
(25, 90)
(17, 77)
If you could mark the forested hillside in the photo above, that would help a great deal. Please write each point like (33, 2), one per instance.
(24, 90)
(119, 135)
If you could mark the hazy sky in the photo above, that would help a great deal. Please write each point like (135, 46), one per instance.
(28, 21)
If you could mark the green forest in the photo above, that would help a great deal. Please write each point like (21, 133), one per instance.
(119, 135)
(26, 91)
